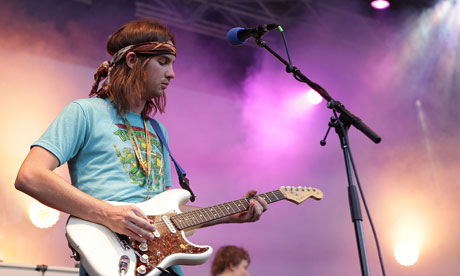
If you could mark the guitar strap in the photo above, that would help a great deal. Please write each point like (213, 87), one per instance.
(183, 181)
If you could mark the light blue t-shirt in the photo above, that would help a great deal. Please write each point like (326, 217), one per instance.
(92, 138)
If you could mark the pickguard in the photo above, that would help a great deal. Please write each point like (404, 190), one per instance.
(166, 245)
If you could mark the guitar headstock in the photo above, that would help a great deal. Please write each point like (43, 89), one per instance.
(300, 194)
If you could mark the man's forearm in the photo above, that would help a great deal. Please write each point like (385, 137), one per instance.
(52, 190)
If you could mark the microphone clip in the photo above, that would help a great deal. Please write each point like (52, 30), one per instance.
(238, 35)
(259, 31)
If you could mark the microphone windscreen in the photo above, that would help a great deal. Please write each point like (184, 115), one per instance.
(232, 36)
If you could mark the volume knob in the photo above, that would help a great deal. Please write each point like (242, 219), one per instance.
(143, 246)
(144, 258)
(141, 269)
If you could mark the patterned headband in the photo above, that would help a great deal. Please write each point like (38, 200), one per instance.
(147, 48)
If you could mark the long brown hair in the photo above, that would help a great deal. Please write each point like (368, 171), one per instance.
(126, 85)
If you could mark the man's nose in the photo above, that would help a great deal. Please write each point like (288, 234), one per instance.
(170, 73)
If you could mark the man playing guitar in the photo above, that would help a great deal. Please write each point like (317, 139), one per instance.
(112, 151)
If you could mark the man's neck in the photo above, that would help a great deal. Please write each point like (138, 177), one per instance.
(138, 107)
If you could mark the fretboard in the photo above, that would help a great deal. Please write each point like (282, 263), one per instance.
(204, 215)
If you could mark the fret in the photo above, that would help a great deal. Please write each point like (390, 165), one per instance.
(205, 214)
(234, 211)
(182, 222)
(220, 210)
(229, 205)
(238, 209)
(192, 218)
(229, 208)
(177, 220)
(266, 198)
(200, 216)
(186, 220)
(279, 195)
(272, 197)
(245, 203)
(212, 211)
(223, 211)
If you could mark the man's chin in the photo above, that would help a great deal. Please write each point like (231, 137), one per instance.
(156, 94)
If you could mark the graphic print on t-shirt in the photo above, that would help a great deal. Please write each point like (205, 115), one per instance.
(131, 164)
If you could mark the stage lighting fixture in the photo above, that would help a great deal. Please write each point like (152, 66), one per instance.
(406, 253)
(314, 97)
(380, 4)
(43, 216)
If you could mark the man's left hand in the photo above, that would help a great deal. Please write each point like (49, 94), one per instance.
(257, 206)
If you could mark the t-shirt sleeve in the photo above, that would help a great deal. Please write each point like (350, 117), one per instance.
(67, 133)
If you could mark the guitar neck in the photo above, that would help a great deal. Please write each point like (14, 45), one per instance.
(204, 215)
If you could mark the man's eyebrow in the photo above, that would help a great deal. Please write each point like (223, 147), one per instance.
(168, 58)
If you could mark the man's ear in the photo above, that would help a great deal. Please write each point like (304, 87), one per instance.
(231, 267)
(130, 59)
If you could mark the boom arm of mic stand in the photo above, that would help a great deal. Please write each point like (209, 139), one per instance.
(331, 103)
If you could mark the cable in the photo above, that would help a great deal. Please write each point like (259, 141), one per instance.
(285, 44)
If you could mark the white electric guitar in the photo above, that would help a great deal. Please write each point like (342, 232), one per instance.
(103, 252)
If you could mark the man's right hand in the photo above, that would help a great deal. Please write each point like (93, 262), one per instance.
(129, 220)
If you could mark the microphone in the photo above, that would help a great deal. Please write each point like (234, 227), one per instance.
(238, 35)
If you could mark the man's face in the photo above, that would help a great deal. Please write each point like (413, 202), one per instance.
(159, 72)
(241, 269)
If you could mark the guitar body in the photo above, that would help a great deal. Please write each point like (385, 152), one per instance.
(105, 253)
(101, 250)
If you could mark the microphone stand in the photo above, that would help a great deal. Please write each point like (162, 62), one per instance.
(341, 124)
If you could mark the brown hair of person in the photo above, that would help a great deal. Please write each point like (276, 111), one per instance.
(127, 85)
(227, 255)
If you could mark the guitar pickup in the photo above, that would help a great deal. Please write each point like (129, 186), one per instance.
(156, 233)
(168, 224)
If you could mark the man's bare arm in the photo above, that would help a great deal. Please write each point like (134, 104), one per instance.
(37, 178)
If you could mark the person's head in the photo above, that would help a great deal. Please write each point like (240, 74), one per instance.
(143, 52)
(231, 260)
